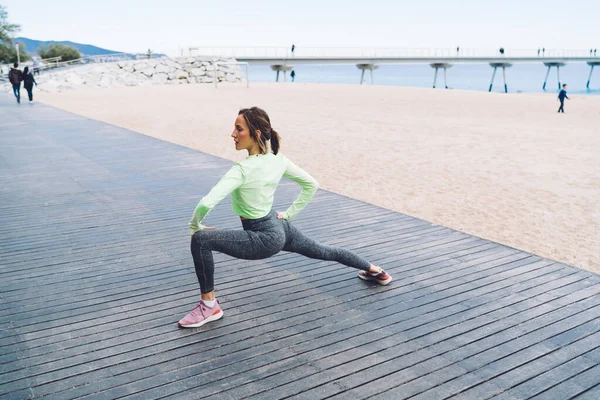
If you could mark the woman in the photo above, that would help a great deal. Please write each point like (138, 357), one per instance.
(28, 81)
(252, 184)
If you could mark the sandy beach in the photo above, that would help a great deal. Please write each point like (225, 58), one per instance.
(505, 167)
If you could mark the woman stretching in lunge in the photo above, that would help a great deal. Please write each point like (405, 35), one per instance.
(252, 184)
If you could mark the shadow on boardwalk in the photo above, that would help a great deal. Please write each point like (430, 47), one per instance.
(96, 272)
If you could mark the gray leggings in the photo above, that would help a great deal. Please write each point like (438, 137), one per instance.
(261, 238)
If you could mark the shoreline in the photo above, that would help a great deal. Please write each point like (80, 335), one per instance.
(503, 167)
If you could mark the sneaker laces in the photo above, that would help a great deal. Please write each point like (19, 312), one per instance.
(198, 310)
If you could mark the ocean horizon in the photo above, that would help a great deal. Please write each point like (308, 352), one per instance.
(525, 77)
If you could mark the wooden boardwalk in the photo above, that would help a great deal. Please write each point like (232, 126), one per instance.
(96, 272)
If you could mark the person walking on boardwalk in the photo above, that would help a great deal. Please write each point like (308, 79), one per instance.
(293, 48)
(28, 81)
(252, 184)
(15, 76)
(562, 95)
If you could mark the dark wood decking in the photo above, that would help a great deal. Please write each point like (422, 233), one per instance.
(96, 272)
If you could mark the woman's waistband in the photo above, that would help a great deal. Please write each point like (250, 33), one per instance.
(265, 218)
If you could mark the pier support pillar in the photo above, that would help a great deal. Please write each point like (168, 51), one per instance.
(550, 65)
(592, 64)
(495, 65)
(281, 68)
(364, 67)
(546, 78)
(438, 66)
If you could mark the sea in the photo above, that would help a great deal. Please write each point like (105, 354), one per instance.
(525, 77)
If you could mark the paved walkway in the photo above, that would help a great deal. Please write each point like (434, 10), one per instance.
(96, 272)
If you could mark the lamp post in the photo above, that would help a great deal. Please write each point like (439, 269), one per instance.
(18, 56)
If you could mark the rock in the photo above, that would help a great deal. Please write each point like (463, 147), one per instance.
(99, 70)
(148, 72)
(74, 79)
(178, 74)
(106, 81)
(161, 68)
(140, 66)
(197, 72)
(160, 77)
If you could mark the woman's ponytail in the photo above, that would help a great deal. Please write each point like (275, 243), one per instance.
(275, 139)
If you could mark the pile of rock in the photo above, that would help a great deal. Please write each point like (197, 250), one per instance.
(177, 71)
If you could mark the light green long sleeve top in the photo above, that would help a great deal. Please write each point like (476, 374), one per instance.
(252, 185)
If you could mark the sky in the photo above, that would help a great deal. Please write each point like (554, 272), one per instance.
(171, 27)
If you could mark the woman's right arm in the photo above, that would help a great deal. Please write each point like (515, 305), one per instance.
(233, 179)
(309, 188)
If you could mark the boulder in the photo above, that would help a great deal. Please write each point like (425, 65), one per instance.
(197, 72)
(178, 74)
(74, 79)
(140, 66)
(160, 77)
(161, 68)
(148, 72)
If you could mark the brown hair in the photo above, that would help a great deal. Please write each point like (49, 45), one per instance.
(258, 120)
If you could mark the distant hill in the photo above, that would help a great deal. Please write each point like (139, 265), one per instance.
(32, 46)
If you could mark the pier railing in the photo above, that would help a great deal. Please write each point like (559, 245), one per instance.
(323, 52)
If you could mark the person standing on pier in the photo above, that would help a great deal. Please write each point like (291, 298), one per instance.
(538, 52)
(562, 95)
(543, 52)
(293, 48)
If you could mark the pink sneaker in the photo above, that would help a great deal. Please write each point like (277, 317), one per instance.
(383, 277)
(200, 315)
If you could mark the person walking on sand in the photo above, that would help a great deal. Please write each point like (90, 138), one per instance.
(15, 76)
(28, 81)
(252, 184)
(562, 95)
(293, 75)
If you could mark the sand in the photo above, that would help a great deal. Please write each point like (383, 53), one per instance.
(505, 167)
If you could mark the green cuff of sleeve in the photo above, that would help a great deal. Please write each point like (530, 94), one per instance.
(196, 229)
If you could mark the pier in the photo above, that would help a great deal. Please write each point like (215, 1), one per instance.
(282, 59)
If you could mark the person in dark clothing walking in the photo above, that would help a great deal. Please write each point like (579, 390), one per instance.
(293, 75)
(28, 81)
(15, 76)
(562, 95)
(293, 48)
